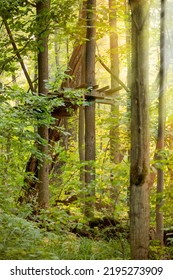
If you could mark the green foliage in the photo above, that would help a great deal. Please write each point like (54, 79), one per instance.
(158, 252)
(21, 239)
(18, 238)
(63, 12)
(11, 7)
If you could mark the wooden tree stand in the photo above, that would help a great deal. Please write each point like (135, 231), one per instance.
(103, 95)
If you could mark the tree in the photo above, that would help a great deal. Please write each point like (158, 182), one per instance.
(17, 53)
(43, 75)
(90, 109)
(114, 59)
(139, 167)
(81, 123)
(161, 128)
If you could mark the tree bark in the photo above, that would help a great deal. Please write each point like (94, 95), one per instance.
(43, 75)
(81, 121)
(114, 129)
(90, 110)
(161, 128)
(81, 125)
(56, 48)
(114, 59)
(139, 168)
(81, 141)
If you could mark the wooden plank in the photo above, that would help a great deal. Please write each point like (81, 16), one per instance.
(99, 94)
(112, 90)
(84, 86)
(95, 94)
(104, 101)
(103, 89)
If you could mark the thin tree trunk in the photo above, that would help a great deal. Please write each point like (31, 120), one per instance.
(43, 75)
(90, 110)
(114, 129)
(161, 128)
(128, 44)
(56, 49)
(81, 123)
(35, 74)
(139, 169)
(128, 53)
(81, 141)
(114, 58)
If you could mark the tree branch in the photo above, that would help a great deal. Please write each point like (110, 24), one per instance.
(113, 75)
(18, 55)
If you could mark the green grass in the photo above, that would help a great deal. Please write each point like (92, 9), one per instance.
(22, 240)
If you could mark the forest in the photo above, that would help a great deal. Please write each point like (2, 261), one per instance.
(86, 139)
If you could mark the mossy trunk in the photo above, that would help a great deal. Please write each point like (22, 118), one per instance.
(139, 169)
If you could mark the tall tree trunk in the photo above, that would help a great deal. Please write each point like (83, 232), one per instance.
(81, 122)
(114, 129)
(81, 125)
(43, 166)
(161, 128)
(114, 58)
(139, 169)
(128, 46)
(90, 110)
(81, 143)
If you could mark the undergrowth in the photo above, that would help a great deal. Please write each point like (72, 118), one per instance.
(23, 240)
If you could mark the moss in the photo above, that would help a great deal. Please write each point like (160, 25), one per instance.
(138, 179)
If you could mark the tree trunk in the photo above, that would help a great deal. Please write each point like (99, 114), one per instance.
(139, 169)
(161, 128)
(56, 48)
(114, 58)
(114, 129)
(81, 121)
(30, 189)
(81, 124)
(43, 75)
(90, 110)
(81, 141)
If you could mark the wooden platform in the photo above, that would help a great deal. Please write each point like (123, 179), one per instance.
(104, 95)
